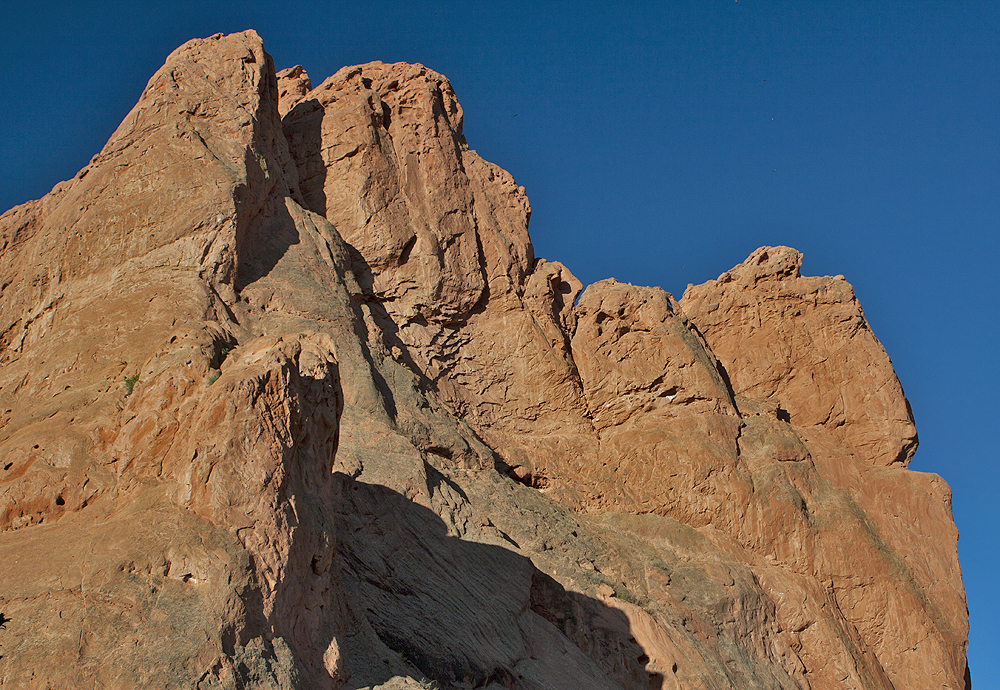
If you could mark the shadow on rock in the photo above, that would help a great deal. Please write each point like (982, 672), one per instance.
(303, 128)
(460, 611)
(264, 245)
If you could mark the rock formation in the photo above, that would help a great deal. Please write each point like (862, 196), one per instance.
(287, 401)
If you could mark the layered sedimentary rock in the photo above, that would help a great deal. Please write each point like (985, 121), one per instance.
(288, 402)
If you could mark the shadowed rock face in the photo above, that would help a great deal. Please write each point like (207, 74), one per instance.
(287, 401)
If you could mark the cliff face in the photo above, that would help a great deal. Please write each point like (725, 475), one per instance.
(288, 402)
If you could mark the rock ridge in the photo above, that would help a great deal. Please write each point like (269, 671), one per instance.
(288, 401)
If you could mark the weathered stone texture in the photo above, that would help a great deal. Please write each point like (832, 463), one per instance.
(804, 343)
(287, 401)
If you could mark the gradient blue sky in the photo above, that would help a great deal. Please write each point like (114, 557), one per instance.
(660, 143)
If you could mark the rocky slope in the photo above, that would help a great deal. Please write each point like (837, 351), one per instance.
(288, 402)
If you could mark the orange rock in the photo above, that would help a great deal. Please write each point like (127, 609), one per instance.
(379, 152)
(804, 344)
(263, 357)
(803, 347)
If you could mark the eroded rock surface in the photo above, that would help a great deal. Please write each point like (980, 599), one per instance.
(287, 401)
(804, 343)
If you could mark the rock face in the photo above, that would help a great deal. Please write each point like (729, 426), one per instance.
(829, 371)
(287, 401)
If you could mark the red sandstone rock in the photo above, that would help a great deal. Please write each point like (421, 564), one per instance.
(340, 329)
(293, 84)
(378, 148)
(804, 343)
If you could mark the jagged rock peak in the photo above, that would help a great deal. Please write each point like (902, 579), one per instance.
(287, 401)
(799, 341)
(766, 262)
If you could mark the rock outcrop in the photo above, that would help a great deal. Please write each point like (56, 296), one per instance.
(287, 401)
(828, 370)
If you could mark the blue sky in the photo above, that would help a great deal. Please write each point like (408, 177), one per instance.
(660, 143)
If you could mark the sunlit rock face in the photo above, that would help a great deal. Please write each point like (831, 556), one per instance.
(287, 401)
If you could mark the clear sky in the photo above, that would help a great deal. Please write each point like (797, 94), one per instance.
(660, 143)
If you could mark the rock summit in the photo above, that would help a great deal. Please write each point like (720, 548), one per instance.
(288, 401)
